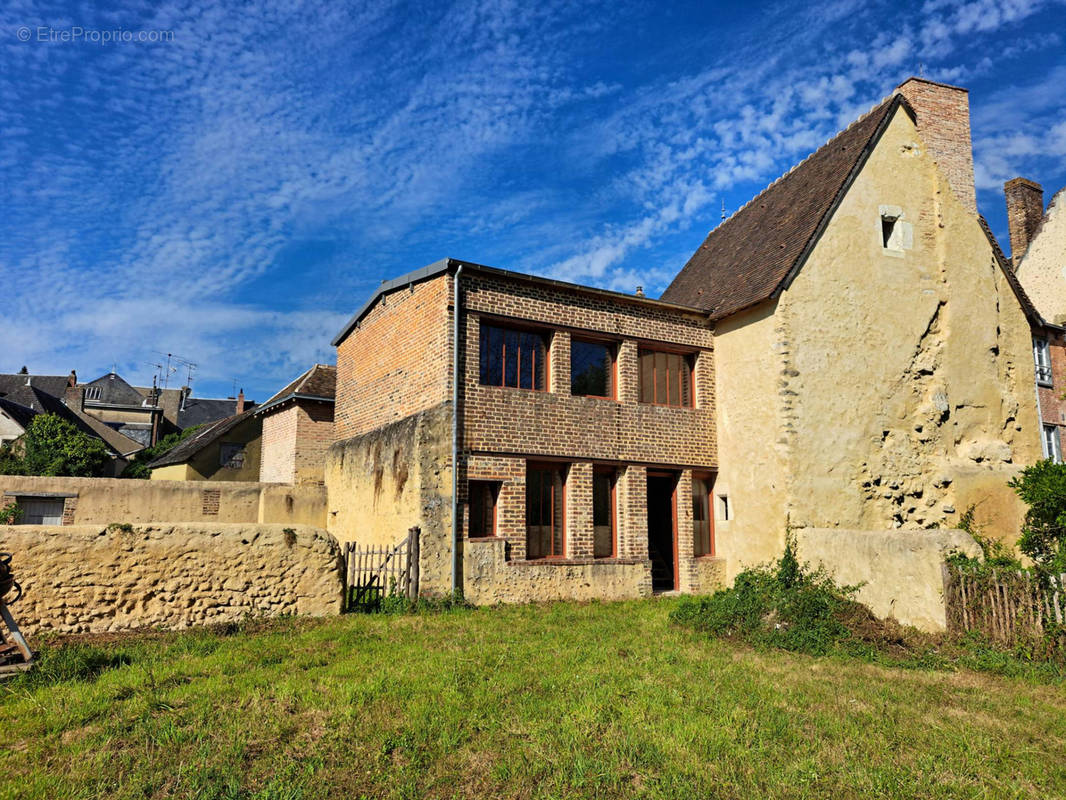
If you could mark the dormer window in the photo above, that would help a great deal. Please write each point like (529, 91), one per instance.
(92, 393)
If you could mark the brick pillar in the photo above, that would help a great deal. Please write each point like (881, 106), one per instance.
(1025, 209)
(704, 373)
(559, 356)
(633, 516)
(579, 533)
(943, 118)
(628, 373)
(686, 546)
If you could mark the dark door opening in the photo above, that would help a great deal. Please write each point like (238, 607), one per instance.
(662, 531)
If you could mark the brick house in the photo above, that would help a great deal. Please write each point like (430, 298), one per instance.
(298, 428)
(585, 434)
(1038, 254)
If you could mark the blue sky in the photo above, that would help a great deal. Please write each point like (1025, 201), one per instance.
(233, 194)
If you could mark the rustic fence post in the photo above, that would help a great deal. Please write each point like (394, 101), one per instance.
(414, 552)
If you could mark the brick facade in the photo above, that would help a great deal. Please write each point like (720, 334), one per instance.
(296, 436)
(1052, 402)
(397, 362)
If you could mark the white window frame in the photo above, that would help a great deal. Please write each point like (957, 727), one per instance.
(1052, 442)
(1042, 360)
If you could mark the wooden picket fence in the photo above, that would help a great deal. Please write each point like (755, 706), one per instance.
(372, 573)
(1008, 606)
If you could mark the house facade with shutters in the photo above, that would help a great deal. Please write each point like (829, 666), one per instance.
(849, 354)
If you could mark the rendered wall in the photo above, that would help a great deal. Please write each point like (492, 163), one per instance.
(749, 358)
(900, 570)
(1042, 271)
(107, 500)
(908, 377)
(89, 579)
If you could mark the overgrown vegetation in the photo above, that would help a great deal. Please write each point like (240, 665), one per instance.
(53, 446)
(541, 701)
(138, 467)
(1043, 487)
(10, 514)
(789, 606)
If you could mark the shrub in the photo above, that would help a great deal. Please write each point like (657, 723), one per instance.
(53, 446)
(1043, 487)
(785, 605)
(10, 514)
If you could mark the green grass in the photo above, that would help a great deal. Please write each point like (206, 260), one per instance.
(564, 700)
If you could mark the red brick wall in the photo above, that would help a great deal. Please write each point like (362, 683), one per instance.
(397, 362)
(295, 440)
(278, 456)
(1052, 405)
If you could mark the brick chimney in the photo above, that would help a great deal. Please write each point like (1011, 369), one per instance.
(1025, 209)
(240, 401)
(943, 114)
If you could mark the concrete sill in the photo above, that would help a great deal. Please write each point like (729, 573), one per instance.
(709, 558)
(574, 562)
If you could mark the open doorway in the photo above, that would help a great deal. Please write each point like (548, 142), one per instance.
(662, 530)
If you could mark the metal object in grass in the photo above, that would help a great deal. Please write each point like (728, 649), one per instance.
(15, 653)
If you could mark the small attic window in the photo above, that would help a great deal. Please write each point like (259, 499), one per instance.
(888, 232)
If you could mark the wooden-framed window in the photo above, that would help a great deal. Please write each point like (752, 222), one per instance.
(702, 516)
(1042, 357)
(604, 513)
(545, 510)
(666, 378)
(513, 357)
(592, 368)
(1052, 445)
(482, 508)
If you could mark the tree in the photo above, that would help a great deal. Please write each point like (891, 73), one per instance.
(1043, 487)
(138, 467)
(53, 446)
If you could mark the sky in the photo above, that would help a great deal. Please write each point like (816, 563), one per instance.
(228, 183)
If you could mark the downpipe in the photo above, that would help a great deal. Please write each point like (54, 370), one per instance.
(456, 588)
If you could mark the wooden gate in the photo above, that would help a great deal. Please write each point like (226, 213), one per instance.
(372, 573)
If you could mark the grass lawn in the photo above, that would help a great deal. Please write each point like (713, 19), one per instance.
(563, 700)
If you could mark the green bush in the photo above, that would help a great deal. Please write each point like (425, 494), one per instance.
(53, 446)
(1043, 488)
(138, 467)
(783, 605)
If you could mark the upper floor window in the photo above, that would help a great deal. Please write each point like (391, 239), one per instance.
(702, 517)
(513, 357)
(592, 368)
(1042, 357)
(665, 378)
(1052, 445)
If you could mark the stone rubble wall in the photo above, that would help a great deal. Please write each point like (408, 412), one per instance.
(90, 578)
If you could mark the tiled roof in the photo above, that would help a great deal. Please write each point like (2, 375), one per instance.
(41, 402)
(185, 450)
(318, 383)
(754, 253)
(55, 385)
(19, 413)
(201, 410)
(112, 389)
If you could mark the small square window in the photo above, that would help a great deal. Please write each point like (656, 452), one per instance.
(230, 455)
(725, 510)
(483, 495)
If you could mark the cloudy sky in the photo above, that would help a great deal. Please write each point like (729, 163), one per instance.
(231, 188)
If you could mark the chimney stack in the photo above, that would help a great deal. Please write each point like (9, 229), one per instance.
(943, 114)
(1025, 209)
(240, 402)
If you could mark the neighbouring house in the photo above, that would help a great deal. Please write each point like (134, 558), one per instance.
(1038, 252)
(585, 436)
(120, 406)
(226, 450)
(22, 397)
(848, 356)
(298, 428)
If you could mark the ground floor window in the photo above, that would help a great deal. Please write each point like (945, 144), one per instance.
(603, 513)
(1052, 444)
(482, 508)
(545, 489)
(702, 516)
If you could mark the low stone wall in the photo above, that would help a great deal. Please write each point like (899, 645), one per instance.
(102, 501)
(901, 569)
(88, 578)
(489, 578)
